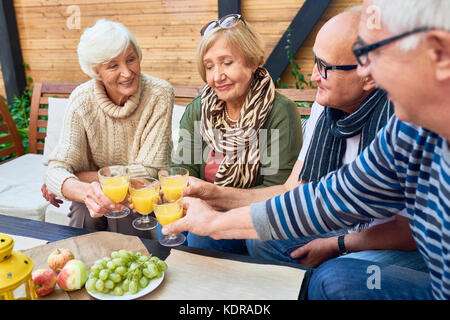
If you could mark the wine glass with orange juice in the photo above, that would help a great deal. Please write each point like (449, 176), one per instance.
(144, 193)
(114, 182)
(173, 181)
(166, 213)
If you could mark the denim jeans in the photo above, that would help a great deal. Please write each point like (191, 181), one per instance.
(280, 250)
(193, 240)
(355, 279)
(225, 245)
(408, 259)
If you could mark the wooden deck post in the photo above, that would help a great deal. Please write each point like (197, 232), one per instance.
(10, 52)
(301, 26)
(228, 7)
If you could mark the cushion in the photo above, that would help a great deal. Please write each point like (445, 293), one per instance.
(58, 215)
(304, 122)
(56, 111)
(176, 117)
(21, 180)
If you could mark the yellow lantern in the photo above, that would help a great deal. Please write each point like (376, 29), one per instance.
(15, 271)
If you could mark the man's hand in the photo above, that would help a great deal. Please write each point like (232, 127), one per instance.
(50, 197)
(97, 202)
(317, 251)
(198, 219)
(199, 188)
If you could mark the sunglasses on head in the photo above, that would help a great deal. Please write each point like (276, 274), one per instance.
(227, 21)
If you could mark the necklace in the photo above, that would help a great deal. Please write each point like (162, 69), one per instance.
(228, 116)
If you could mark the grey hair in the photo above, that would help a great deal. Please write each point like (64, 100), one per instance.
(405, 15)
(101, 43)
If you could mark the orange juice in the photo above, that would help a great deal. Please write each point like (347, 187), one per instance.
(173, 186)
(168, 212)
(115, 188)
(144, 199)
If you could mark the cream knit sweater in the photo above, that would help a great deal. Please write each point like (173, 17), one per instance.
(97, 133)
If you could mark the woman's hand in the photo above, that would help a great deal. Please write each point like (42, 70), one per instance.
(129, 203)
(50, 197)
(317, 251)
(97, 202)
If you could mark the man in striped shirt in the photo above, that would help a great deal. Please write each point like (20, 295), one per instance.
(405, 47)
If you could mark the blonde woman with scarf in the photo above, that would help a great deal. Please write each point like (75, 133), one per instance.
(239, 132)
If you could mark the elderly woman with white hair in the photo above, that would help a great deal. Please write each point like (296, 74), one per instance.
(119, 117)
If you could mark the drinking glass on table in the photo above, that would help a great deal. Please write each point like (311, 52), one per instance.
(114, 182)
(144, 193)
(173, 182)
(168, 212)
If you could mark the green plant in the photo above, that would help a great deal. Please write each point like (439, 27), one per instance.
(300, 81)
(20, 112)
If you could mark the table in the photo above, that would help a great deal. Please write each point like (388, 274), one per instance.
(54, 232)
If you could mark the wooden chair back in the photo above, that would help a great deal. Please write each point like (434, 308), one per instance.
(10, 142)
(183, 95)
(39, 111)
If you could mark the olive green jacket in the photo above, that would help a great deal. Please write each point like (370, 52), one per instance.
(192, 150)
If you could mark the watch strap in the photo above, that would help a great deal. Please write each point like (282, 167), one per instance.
(341, 245)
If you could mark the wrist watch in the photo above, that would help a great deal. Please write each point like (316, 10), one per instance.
(342, 249)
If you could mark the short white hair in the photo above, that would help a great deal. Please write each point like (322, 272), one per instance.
(101, 43)
(406, 15)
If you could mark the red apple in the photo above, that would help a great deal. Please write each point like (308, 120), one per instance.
(44, 281)
(58, 259)
(73, 276)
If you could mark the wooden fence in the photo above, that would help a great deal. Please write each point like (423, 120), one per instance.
(167, 31)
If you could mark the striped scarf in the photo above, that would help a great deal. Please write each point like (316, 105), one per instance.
(238, 144)
(328, 144)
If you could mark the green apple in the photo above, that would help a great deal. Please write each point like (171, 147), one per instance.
(73, 276)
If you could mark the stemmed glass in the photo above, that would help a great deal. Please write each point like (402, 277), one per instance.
(166, 213)
(173, 182)
(114, 182)
(144, 194)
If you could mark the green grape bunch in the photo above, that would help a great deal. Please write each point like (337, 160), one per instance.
(124, 271)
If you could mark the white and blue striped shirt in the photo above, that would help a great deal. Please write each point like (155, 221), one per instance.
(405, 166)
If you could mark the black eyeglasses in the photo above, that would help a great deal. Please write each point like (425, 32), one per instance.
(322, 67)
(228, 21)
(361, 49)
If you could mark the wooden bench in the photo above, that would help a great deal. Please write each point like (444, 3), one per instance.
(9, 136)
(183, 95)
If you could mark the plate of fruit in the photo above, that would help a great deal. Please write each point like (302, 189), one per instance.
(125, 276)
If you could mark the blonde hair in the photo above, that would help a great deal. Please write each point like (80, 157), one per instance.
(241, 36)
(102, 42)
